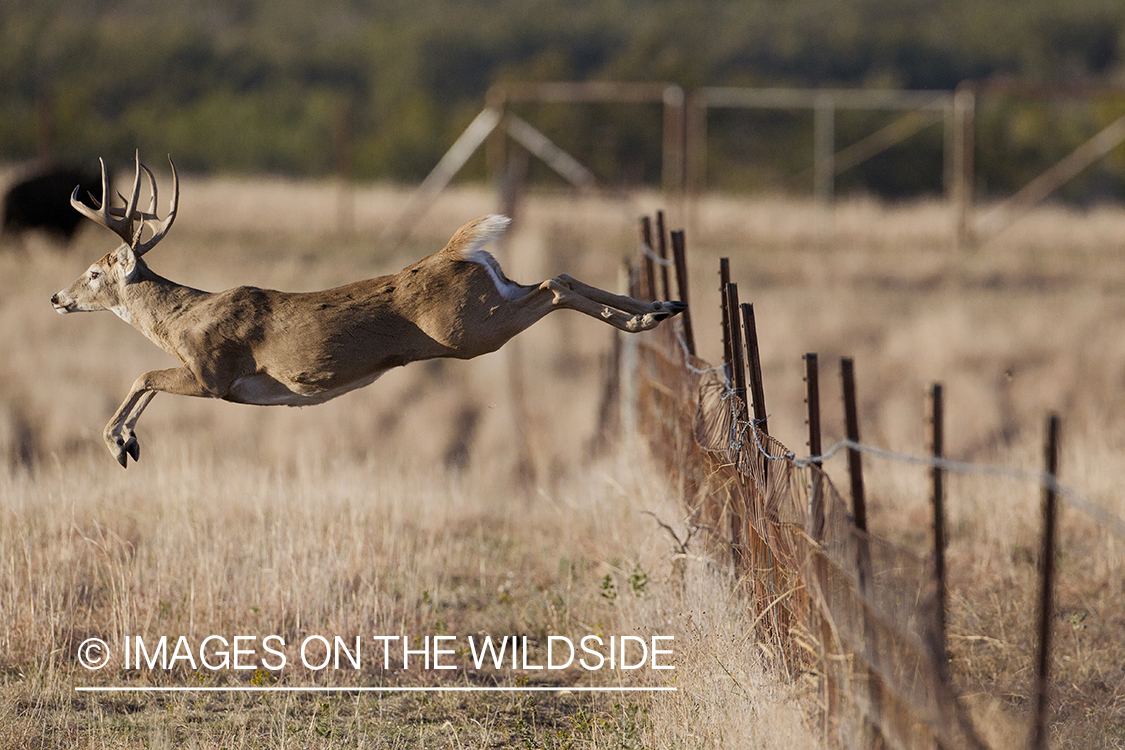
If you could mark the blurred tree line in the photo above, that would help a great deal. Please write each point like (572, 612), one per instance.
(279, 85)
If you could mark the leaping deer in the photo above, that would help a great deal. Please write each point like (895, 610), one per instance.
(260, 346)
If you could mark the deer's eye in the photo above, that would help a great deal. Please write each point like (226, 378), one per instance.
(94, 274)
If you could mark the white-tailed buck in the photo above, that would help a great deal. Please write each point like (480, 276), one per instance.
(259, 346)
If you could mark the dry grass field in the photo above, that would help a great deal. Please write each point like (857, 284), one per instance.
(394, 509)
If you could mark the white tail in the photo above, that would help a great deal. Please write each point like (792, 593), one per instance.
(260, 346)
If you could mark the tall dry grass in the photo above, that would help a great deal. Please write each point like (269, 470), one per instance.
(393, 507)
(392, 510)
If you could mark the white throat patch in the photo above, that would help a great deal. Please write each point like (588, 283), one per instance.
(122, 312)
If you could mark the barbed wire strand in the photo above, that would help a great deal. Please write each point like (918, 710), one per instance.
(647, 250)
(1072, 496)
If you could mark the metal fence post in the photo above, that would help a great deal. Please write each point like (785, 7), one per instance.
(1046, 583)
(757, 392)
(724, 280)
(739, 550)
(648, 287)
(815, 530)
(737, 366)
(855, 460)
(815, 526)
(754, 362)
(679, 254)
(863, 550)
(937, 475)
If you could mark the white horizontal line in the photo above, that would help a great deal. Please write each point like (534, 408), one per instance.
(318, 689)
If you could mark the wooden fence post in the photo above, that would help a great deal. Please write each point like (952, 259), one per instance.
(1046, 583)
(824, 148)
(512, 190)
(964, 126)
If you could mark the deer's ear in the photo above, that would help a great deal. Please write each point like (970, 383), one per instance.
(127, 259)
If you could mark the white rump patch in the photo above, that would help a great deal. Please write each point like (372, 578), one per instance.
(508, 289)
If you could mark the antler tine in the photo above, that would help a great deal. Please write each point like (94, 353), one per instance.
(122, 225)
(105, 185)
(131, 204)
(152, 186)
(164, 225)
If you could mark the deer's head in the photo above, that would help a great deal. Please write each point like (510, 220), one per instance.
(102, 286)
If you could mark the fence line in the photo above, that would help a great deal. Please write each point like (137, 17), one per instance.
(876, 632)
(1045, 480)
(863, 614)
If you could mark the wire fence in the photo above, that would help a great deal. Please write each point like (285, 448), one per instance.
(857, 610)
(864, 615)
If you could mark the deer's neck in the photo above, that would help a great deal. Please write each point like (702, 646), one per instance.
(152, 304)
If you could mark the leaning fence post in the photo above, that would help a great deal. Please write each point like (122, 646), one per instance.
(937, 475)
(757, 393)
(757, 389)
(1046, 582)
(680, 257)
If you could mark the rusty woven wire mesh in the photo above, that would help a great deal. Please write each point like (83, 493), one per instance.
(853, 608)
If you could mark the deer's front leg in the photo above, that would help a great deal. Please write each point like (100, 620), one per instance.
(119, 433)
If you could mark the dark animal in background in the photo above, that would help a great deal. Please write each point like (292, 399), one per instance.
(42, 201)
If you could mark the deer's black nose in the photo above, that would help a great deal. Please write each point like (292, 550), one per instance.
(55, 299)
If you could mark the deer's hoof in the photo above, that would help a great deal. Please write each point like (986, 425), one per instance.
(123, 446)
(664, 310)
(133, 448)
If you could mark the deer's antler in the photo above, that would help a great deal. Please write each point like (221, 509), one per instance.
(128, 223)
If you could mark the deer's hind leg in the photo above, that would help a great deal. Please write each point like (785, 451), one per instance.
(623, 313)
(618, 301)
